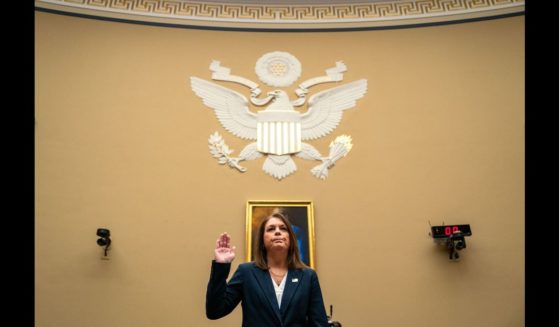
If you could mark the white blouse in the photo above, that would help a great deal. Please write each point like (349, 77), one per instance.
(279, 289)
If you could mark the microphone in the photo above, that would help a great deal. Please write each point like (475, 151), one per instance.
(331, 322)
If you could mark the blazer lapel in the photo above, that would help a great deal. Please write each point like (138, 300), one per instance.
(291, 285)
(265, 282)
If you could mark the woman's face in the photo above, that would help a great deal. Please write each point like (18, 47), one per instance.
(276, 235)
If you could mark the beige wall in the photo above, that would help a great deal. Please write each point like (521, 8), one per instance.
(121, 142)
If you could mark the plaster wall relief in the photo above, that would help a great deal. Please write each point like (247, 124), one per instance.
(278, 132)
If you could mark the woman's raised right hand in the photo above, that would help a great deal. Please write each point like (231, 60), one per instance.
(224, 252)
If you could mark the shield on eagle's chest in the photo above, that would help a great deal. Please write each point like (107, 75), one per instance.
(278, 132)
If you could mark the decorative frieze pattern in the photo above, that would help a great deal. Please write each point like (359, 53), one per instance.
(289, 14)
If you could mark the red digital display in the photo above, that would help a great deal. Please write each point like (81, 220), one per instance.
(446, 230)
(451, 230)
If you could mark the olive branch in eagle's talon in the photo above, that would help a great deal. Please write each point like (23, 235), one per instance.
(221, 152)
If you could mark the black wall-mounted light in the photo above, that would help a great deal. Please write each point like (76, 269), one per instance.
(105, 239)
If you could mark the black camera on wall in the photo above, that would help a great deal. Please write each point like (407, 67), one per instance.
(453, 236)
(455, 243)
(105, 239)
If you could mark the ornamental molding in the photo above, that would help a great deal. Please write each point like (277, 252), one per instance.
(286, 16)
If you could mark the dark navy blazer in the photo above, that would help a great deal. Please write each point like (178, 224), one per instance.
(301, 303)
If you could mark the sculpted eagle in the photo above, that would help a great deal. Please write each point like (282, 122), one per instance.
(279, 130)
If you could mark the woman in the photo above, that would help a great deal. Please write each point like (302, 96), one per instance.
(276, 289)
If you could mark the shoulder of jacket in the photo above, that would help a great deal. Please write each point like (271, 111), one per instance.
(247, 265)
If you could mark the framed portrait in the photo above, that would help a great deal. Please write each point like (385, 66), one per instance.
(299, 213)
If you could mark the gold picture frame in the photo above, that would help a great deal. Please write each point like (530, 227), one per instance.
(299, 213)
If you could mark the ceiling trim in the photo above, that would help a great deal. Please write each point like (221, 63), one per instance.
(288, 16)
